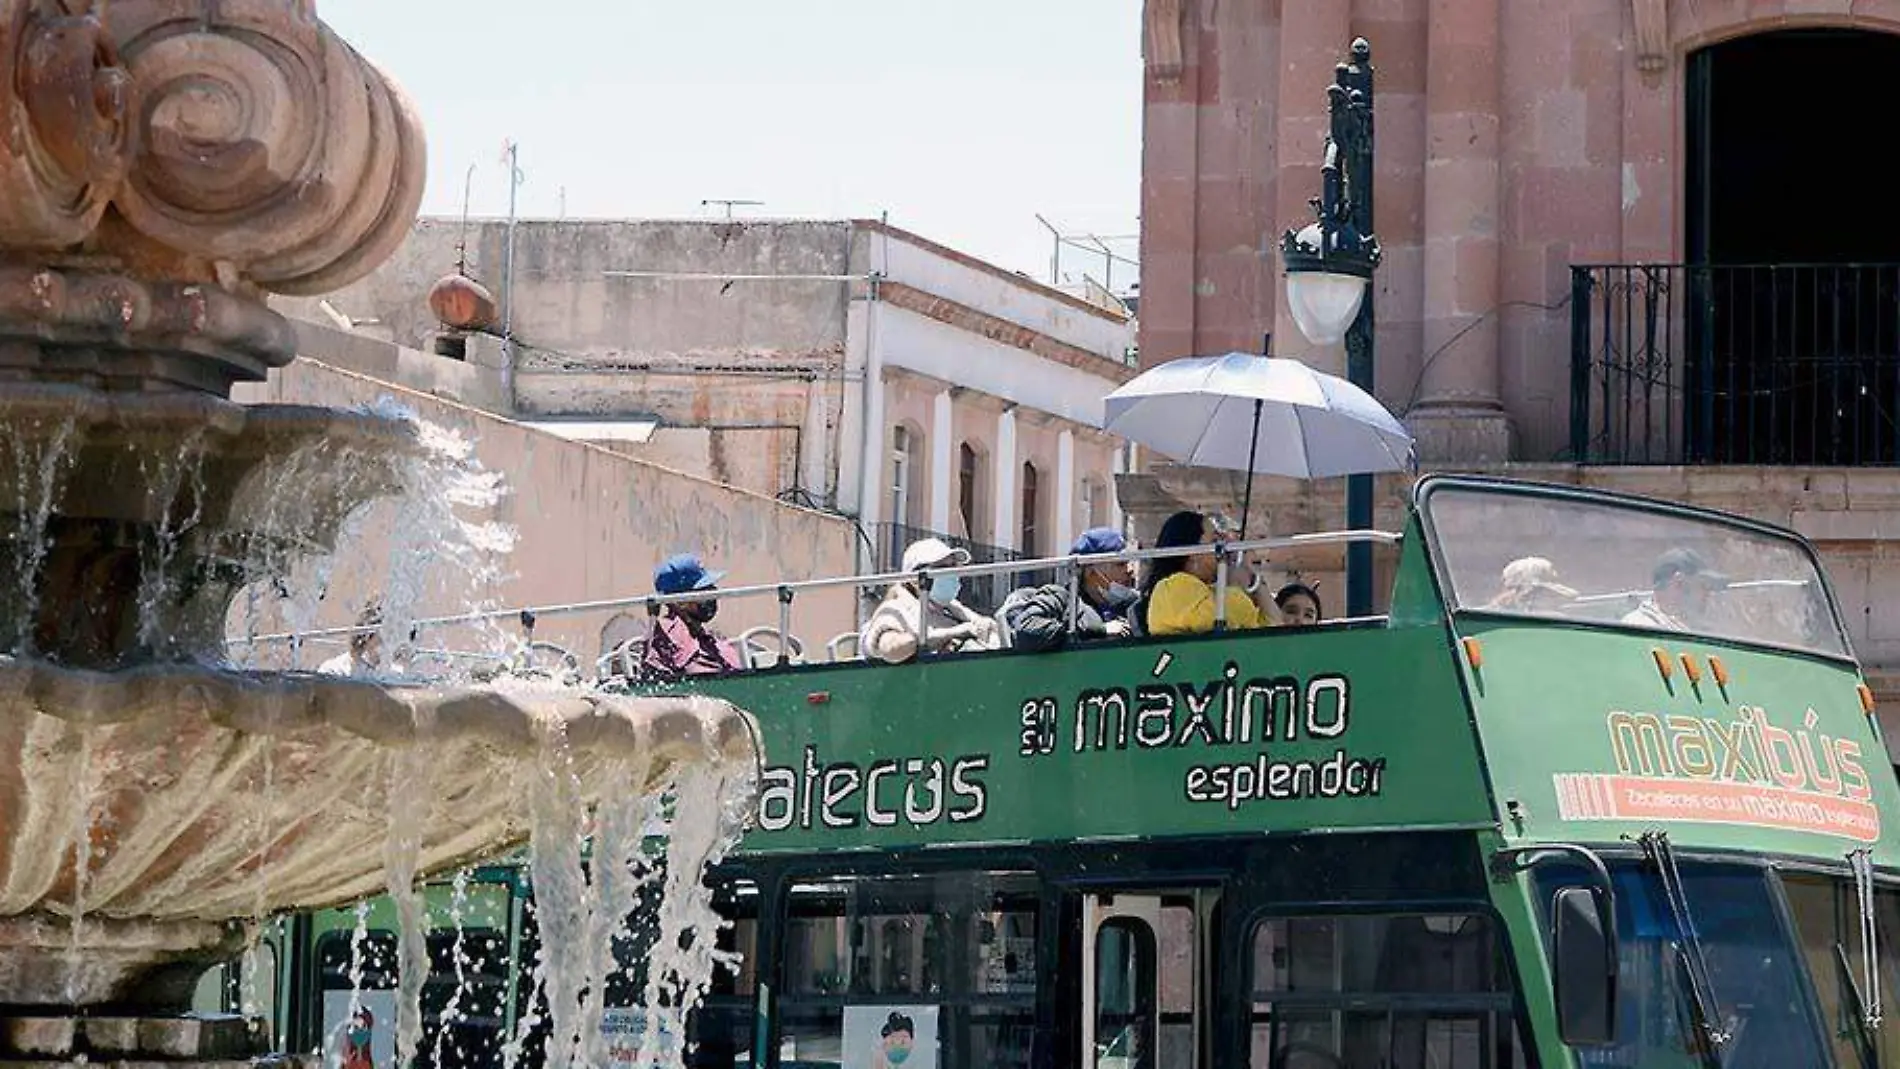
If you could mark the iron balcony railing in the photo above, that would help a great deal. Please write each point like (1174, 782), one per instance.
(1735, 364)
(984, 593)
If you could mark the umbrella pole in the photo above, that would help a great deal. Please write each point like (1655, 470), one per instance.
(1253, 453)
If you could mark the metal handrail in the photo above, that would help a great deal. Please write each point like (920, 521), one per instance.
(785, 592)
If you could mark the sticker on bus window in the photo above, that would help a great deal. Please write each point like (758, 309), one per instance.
(359, 1029)
(626, 1032)
(890, 1037)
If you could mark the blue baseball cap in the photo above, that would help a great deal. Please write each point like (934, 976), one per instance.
(682, 573)
(1099, 540)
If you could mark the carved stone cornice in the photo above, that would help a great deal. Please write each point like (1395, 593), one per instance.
(1651, 38)
(1161, 39)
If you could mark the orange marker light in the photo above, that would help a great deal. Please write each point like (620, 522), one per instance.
(1474, 653)
(1719, 671)
(1691, 669)
(1866, 699)
(1662, 662)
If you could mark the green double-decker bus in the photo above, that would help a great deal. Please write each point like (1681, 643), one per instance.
(1603, 788)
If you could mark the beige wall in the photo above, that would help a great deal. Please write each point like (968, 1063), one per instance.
(592, 524)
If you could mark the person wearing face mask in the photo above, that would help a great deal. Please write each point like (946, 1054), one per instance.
(909, 610)
(682, 641)
(1038, 617)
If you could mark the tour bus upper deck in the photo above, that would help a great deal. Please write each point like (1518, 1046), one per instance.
(1316, 812)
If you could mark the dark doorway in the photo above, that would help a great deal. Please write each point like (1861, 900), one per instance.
(1794, 251)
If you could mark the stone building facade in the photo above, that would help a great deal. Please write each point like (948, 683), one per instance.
(1606, 256)
(847, 366)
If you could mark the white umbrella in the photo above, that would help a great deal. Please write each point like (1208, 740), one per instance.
(1261, 415)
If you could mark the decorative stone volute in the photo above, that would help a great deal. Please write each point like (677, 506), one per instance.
(152, 146)
(64, 135)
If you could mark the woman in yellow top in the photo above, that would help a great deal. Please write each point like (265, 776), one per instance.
(1180, 590)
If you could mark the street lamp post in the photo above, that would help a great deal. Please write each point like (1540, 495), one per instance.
(1329, 266)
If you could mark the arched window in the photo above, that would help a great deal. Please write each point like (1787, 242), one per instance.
(1031, 544)
(972, 492)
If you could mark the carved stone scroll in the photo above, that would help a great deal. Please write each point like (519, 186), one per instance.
(265, 142)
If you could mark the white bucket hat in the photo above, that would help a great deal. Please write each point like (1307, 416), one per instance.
(933, 553)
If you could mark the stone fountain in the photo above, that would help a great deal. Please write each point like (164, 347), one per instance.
(165, 164)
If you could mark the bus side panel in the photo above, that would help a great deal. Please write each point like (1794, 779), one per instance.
(1280, 730)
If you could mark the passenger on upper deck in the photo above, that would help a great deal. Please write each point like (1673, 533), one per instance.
(1298, 605)
(1179, 594)
(364, 658)
(947, 625)
(1038, 616)
(681, 642)
(1680, 589)
(1529, 584)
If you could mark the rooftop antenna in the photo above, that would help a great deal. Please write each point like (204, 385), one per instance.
(730, 204)
(461, 244)
(510, 155)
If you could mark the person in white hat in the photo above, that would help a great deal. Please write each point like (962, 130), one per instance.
(910, 610)
(1529, 584)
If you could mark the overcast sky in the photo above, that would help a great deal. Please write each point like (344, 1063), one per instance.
(963, 119)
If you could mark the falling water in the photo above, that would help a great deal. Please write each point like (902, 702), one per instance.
(176, 473)
(409, 795)
(85, 788)
(36, 479)
(458, 954)
(708, 815)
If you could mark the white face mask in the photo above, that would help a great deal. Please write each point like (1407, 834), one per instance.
(945, 588)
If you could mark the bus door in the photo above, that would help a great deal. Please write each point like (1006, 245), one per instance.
(1146, 963)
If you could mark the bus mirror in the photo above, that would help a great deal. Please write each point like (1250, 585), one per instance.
(1585, 967)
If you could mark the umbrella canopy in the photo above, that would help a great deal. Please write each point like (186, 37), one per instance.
(1261, 415)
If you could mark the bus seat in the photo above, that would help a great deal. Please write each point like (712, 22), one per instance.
(843, 647)
(622, 632)
(762, 645)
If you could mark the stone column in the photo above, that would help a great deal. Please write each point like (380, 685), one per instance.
(1065, 492)
(943, 433)
(1314, 38)
(1458, 415)
(1003, 480)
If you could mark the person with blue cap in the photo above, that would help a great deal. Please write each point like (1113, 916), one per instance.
(682, 641)
(1038, 617)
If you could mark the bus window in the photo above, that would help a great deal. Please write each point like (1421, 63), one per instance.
(359, 1019)
(1408, 991)
(1827, 915)
(1126, 1017)
(945, 962)
(465, 998)
(1542, 554)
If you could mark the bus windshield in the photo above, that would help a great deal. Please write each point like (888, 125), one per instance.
(1543, 554)
(1758, 1001)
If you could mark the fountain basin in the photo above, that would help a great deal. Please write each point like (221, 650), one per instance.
(156, 812)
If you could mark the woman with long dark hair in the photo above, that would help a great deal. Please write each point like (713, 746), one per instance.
(1178, 596)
